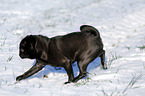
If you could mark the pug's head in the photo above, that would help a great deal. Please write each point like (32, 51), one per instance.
(27, 47)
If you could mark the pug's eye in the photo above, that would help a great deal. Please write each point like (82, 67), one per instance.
(22, 45)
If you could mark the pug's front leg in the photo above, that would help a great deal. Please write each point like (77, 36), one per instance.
(69, 70)
(34, 69)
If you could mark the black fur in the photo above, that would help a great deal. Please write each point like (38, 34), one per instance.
(63, 51)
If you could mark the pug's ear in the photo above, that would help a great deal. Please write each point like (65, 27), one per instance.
(32, 39)
(42, 47)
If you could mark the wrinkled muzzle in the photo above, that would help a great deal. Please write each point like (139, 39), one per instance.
(23, 54)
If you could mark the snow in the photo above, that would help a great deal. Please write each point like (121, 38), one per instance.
(122, 27)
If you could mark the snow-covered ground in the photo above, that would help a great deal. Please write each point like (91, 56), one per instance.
(122, 27)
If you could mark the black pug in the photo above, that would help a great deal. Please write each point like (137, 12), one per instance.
(63, 51)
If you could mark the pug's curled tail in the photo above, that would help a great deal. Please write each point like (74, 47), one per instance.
(90, 29)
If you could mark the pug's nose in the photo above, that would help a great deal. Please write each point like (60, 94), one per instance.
(22, 50)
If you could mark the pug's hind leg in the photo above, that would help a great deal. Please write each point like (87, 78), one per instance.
(82, 64)
(34, 69)
(104, 65)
